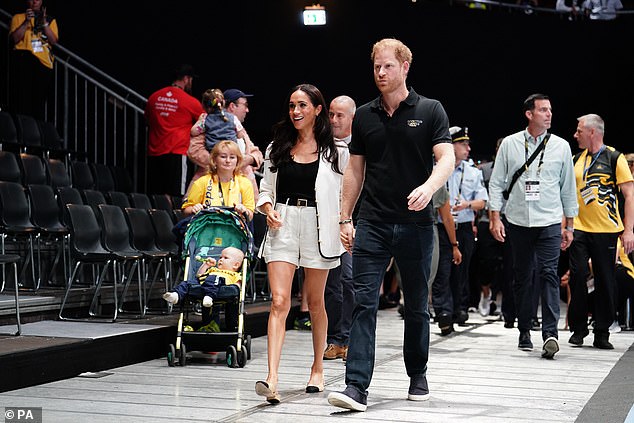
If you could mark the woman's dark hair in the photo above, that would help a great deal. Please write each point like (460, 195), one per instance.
(285, 134)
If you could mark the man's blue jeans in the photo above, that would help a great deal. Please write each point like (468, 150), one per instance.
(536, 250)
(375, 243)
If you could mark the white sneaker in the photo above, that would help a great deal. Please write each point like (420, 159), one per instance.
(615, 327)
(485, 305)
(207, 301)
(171, 297)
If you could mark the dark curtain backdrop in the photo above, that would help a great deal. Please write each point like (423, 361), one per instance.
(480, 64)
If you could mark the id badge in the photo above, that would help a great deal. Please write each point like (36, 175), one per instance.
(532, 190)
(36, 45)
(587, 195)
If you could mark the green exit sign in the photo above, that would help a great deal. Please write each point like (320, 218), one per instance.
(315, 17)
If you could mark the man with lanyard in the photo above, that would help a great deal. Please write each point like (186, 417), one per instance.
(541, 195)
(600, 171)
(467, 195)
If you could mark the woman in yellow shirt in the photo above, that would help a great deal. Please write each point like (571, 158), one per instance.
(223, 185)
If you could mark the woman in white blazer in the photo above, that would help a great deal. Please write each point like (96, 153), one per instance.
(300, 195)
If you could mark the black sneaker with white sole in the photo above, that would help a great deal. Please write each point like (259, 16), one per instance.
(525, 343)
(418, 389)
(350, 399)
(550, 348)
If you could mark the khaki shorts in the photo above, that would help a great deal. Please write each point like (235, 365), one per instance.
(296, 241)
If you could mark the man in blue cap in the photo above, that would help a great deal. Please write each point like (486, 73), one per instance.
(236, 103)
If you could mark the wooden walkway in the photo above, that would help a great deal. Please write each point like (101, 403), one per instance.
(475, 375)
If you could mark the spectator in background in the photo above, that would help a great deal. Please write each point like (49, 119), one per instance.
(467, 195)
(213, 125)
(539, 196)
(603, 10)
(236, 102)
(170, 113)
(339, 294)
(33, 34)
(600, 172)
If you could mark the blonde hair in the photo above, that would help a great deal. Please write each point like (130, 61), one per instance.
(233, 148)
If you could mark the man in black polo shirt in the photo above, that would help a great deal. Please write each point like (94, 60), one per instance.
(394, 140)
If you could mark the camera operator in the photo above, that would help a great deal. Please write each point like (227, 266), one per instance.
(33, 34)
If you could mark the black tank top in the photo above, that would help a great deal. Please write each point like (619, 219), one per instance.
(297, 180)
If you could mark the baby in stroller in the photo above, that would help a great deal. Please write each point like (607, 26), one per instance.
(211, 281)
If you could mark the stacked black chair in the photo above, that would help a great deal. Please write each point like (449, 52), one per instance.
(33, 170)
(93, 198)
(28, 133)
(122, 179)
(8, 133)
(9, 167)
(67, 195)
(57, 173)
(86, 248)
(118, 198)
(162, 201)
(140, 201)
(81, 175)
(104, 181)
(12, 259)
(53, 143)
(16, 226)
(165, 238)
(144, 240)
(116, 238)
(45, 216)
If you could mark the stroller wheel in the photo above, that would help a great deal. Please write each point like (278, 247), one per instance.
(242, 356)
(171, 354)
(232, 356)
(182, 359)
(247, 344)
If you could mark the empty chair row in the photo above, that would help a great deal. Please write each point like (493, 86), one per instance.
(31, 169)
(24, 133)
(127, 240)
(70, 195)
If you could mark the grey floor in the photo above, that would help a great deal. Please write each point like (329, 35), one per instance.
(475, 375)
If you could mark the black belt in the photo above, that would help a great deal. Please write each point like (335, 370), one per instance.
(299, 202)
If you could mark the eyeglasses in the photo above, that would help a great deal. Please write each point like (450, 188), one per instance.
(630, 162)
(245, 104)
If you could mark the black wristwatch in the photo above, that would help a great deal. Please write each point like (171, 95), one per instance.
(455, 244)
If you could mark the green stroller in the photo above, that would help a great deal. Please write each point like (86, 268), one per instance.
(207, 234)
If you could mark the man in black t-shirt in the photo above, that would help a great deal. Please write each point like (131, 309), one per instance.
(394, 140)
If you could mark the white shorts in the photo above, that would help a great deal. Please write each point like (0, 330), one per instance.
(296, 241)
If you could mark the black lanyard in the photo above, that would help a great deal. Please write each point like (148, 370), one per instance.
(541, 156)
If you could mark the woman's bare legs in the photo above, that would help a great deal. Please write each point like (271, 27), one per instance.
(280, 280)
(315, 283)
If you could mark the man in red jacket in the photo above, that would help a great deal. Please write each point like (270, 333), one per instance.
(170, 113)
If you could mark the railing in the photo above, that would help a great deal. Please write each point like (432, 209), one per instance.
(97, 116)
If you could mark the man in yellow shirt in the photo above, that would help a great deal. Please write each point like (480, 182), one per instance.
(600, 172)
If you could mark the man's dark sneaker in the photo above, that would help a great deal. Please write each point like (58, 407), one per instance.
(350, 398)
(509, 322)
(461, 318)
(525, 343)
(535, 324)
(602, 341)
(444, 323)
(550, 347)
(576, 339)
(418, 389)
